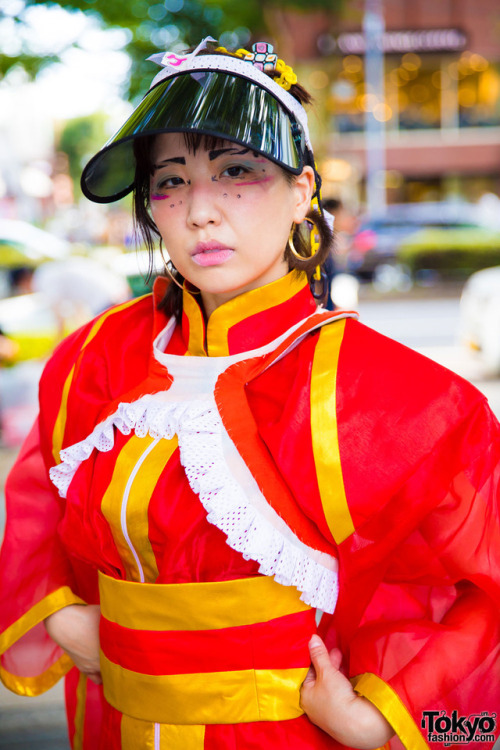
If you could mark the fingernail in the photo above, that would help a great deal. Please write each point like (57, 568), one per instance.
(315, 641)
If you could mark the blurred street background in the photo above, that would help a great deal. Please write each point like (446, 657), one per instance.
(406, 127)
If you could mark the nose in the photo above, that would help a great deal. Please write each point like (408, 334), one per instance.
(203, 209)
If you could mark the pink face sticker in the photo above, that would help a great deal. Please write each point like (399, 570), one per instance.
(159, 197)
(260, 181)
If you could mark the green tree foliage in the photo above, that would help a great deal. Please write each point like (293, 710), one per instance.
(80, 138)
(154, 25)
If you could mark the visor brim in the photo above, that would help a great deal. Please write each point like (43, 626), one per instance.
(212, 103)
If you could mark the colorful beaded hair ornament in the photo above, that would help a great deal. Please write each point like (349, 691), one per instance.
(264, 58)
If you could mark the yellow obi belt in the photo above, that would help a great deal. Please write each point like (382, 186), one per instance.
(204, 653)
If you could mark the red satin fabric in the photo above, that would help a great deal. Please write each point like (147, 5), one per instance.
(278, 644)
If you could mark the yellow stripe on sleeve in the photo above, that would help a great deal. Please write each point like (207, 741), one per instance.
(391, 706)
(325, 441)
(81, 702)
(40, 683)
(60, 423)
(58, 433)
(60, 598)
(32, 686)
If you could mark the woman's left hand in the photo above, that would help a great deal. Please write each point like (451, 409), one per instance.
(329, 701)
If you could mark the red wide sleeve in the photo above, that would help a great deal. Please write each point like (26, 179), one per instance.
(36, 578)
(430, 634)
(418, 616)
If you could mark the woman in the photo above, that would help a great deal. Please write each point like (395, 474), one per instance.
(230, 458)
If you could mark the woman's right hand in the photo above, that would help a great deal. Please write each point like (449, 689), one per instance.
(75, 629)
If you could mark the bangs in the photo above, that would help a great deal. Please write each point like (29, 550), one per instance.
(143, 148)
(201, 142)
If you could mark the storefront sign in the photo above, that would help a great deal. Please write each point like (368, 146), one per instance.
(427, 40)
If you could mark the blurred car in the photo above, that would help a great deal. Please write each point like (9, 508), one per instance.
(23, 247)
(375, 245)
(453, 253)
(480, 317)
(22, 243)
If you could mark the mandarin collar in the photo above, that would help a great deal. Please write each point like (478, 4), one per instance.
(248, 321)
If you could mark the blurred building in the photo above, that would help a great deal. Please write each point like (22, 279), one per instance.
(441, 109)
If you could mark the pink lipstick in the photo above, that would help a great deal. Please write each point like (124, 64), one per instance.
(211, 253)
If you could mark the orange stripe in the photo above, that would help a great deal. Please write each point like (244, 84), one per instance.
(60, 423)
(235, 412)
(325, 441)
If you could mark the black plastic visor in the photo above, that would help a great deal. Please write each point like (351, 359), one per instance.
(209, 102)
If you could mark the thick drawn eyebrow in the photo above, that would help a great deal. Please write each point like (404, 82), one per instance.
(214, 154)
(174, 159)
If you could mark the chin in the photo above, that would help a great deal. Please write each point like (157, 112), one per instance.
(221, 285)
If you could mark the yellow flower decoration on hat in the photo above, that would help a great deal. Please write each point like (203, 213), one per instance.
(287, 77)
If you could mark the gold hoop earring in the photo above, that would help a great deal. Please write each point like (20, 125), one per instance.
(168, 265)
(292, 246)
(167, 269)
(181, 286)
(315, 246)
(314, 241)
(189, 291)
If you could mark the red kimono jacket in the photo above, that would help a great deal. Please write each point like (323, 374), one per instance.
(223, 481)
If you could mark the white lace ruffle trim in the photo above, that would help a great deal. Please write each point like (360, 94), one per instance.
(199, 429)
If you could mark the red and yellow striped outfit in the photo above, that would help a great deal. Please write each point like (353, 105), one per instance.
(204, 467)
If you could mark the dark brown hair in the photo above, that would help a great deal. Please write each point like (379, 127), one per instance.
(147, 230)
